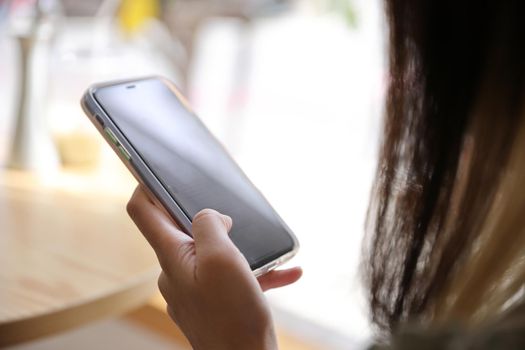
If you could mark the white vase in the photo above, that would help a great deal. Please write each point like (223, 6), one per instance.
(32, 148)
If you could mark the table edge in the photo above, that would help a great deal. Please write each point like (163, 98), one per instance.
(114, 303)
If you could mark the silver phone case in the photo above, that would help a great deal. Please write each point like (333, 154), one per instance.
(143, 173)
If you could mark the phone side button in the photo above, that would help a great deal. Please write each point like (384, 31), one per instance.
(124, 152)
(111, 136)
(99, 120)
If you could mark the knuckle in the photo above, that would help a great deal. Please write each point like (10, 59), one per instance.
(166, 263)
(219, 260)
(179, 256)
(177, 260)
(170, 313)
(185, 251)
(228, 222)
(132, 208)
(204, 214)
(161, 283)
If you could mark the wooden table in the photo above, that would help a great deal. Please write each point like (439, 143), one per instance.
(69, 255)
(66, 257)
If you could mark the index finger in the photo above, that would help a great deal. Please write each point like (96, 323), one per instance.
(156, 226)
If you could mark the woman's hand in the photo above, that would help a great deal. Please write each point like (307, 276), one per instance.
(207, 283)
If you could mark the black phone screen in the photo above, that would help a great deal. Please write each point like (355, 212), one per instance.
(192, 165)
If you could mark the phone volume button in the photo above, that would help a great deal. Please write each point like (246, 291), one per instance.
(124, 152)
(111, 136)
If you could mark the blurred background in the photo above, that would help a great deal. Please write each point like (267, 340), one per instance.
(293, 88)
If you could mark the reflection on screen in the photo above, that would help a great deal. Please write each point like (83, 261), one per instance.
(192, 165)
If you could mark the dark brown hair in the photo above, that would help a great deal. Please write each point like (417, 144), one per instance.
(457, 77)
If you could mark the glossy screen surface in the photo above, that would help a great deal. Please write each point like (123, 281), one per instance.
(192, 166)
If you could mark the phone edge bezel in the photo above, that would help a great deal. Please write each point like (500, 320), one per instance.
(147, 178)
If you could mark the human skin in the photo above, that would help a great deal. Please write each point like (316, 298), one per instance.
(207, 283)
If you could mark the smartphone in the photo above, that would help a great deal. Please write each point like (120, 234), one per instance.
(151, 127)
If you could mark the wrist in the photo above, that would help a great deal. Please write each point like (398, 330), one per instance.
(266, 340)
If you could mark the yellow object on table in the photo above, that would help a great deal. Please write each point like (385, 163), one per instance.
(133, 13)
(66, 259)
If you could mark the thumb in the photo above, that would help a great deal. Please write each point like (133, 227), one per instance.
(210, 232)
